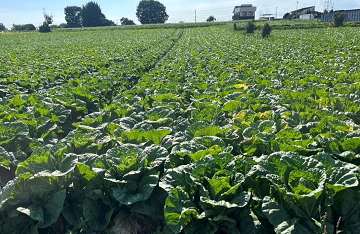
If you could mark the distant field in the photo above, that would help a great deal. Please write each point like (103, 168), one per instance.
(180, 130)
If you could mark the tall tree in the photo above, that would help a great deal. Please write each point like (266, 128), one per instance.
(45, 27)
(73, 16)
(151, 12)
(92, 15)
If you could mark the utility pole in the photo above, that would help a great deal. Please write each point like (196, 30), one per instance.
(195, 16)
(276, 13)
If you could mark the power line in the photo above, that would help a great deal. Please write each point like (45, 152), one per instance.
(225, 12)
(329, 5)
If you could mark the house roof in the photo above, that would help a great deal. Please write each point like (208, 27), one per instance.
(303, 9)
(347, 10)
(243, 5)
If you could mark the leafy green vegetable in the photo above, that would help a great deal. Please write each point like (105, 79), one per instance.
(179, 210)
(47, 213)
(97, 213)
(283, 222)
(136, 186)
(180, 134)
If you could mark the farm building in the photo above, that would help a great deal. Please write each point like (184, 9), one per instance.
(351, 15)
(305, 10)
(244, 11)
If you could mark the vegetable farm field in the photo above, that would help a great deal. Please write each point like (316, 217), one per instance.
(180, 130)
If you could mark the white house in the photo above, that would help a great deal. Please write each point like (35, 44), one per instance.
(244, 11)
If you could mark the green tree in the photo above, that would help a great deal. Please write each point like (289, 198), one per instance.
(126, 21)
(45, 27)
(286, 16)
(339, 19)
(92, 15)
(211, 18)
(73, 16)
(62, 25)
(2, 27)
(151, 12)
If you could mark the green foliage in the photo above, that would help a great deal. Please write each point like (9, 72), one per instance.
(211, 19)
(348, 209)
(2, 27)
(339, 19)
(126, 21)
(151, 12)
(250, 27)
(286, 16)
(162, 130)
(45, 27)
(283, 221)
(48, 18)
(292, 15)
(93, 17)
(266, 30)
(23, 27)
(73, 16)
(221, 203)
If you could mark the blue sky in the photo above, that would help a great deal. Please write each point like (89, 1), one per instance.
(25, 11)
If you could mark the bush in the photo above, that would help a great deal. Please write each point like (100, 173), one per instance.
(107, 22)
(44, 28)
(250, 27)
(126, 21)
(286, 16)
(266, 30)
(339, 19)
(23, 27)
(235, 27)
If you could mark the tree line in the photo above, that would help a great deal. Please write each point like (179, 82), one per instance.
(90, 15)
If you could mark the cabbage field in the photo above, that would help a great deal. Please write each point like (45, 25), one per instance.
(180, 130)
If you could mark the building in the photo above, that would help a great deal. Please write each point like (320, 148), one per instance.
(267, 16)
(351, 15)
(307, 16)
(244, 11)
(305, 10)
